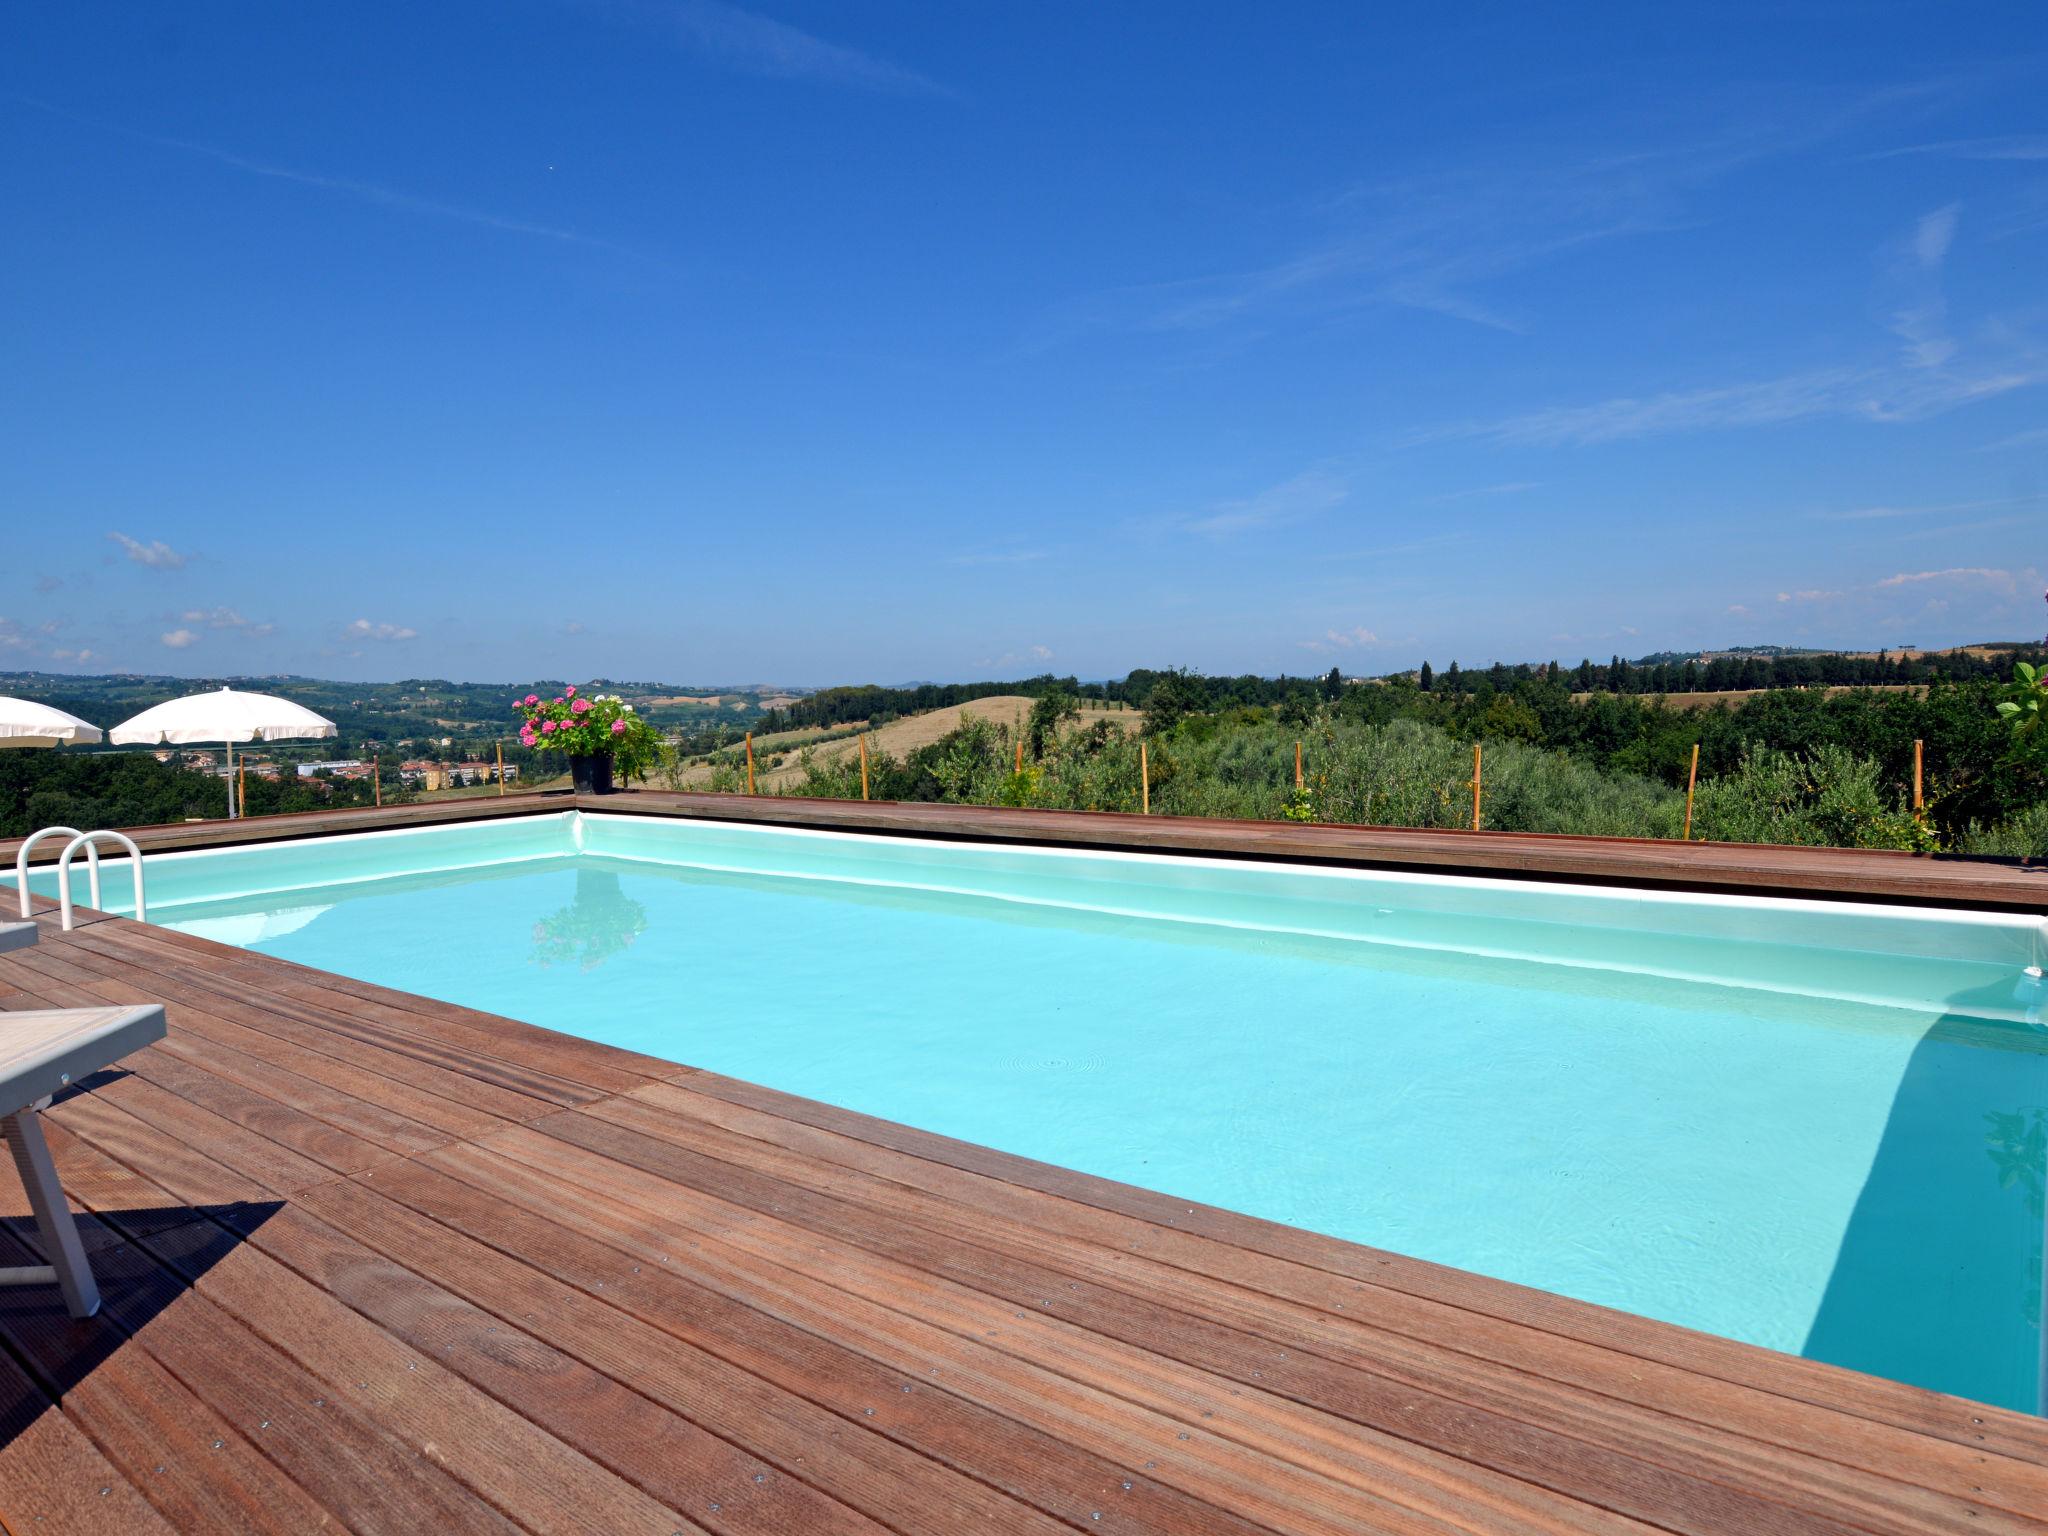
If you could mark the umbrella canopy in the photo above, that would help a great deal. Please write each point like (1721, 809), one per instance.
(226, 715)
(25, 723)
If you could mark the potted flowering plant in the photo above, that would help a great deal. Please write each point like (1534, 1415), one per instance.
(594, 731)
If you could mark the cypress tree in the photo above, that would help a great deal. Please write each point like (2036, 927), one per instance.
(1427, 678)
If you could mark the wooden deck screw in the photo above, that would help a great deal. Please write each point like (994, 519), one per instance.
(750, 762)
(1691, 776)
(501, 767)
(1919, 800)
(1475, 786)
(377, 780)
(1144, 781)
(863, 765)
(1297, 765)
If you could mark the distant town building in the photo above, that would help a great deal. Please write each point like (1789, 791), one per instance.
(425, 773)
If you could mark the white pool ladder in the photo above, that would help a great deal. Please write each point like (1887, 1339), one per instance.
(89, 841)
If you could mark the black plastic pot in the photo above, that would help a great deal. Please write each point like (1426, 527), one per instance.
(591, 772)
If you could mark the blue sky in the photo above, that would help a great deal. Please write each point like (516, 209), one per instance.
(819, 343)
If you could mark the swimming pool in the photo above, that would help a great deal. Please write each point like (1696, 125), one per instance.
(1820, 1127)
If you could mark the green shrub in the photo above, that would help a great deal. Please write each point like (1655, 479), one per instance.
(1828, 797)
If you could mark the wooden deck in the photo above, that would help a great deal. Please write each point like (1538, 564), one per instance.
(1829, 874)
(382, 1264)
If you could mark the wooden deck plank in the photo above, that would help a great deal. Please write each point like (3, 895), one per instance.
(503, 1457)
(782, 1451)
(1552, 1441)
(806, 1280)
(53, 1478)
(868, 1396)
(579, 1281)
(1318, 1310)
(1225, 1235)
(194, 1465)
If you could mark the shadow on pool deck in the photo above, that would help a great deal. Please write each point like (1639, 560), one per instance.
(1939, 1278)
(144, 1260)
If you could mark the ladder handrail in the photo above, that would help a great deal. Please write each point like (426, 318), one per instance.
(89, 842)
(21, 858)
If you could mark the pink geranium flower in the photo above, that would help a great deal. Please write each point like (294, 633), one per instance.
(618, 727)
(569, 693)
(532, 699)
(546, 726)
(581, 706)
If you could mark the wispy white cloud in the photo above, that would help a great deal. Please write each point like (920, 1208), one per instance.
(1507, 488)
(1869, 394)
(1933, 509)
(1808, 595)
(1875, 394)
(1933, 235)
(227, 619)
(1304, 495)
(364, 629)
(179, 639)
(2026, 439)
(1920, 314)
(2005, 583)
(1341, 640)
(1029, 654)
(363, 191)
(1927, 378)
(2020, 146)
(747, 40)
(1438, 239)
(998, 557)
(156, 554)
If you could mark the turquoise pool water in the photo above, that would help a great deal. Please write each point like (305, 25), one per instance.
(1837, 1148)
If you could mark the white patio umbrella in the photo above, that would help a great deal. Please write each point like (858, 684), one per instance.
(25, 723)
(227, 716)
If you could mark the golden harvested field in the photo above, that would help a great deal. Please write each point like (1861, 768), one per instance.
(1737, 695)
(901, 737)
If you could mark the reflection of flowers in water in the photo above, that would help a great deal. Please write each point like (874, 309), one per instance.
(2019, 1146)
(600, 922)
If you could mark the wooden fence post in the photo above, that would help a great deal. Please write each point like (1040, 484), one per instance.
(1020, 755)
(1297, 765)
(501, 767)
(377, 779)
(1691, 776)
(1475, 786)
(750, 762)
(1919, 801)
(1144, 781)
(243, 793)
(863, 765)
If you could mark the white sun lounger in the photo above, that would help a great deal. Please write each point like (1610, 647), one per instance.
(40, 1053)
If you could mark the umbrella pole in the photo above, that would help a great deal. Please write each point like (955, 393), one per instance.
(231, 778)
